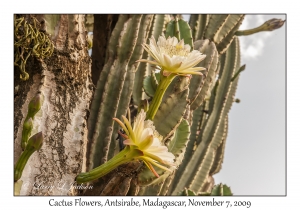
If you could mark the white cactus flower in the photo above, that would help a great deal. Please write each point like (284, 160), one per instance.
(172, 56)
(144, 138)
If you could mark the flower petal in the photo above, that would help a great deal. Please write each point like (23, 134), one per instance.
(143, 141)
(122, 125)
(146, 143)
(131, 133)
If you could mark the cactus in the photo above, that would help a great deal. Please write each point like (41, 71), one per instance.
(128, 28)
(188, 107)
(129, 79)
(221, 190)
(181, 30)
(209, 139)
(157, 27)
(198, 23)
(217, 190)
(221, 30)
(198, 92)
(202, 104)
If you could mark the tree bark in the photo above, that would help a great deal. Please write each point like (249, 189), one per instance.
(64, 80)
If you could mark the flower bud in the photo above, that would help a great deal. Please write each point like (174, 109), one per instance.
(143, 105)
(36, 141)
(27, 128)
(273, 24)
(269, 25)
(34, 105)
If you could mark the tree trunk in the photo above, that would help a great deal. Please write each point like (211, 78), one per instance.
(64, 80)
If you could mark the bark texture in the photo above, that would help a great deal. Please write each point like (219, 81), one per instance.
(64, 81)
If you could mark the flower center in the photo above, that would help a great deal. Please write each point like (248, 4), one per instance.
(174, 50)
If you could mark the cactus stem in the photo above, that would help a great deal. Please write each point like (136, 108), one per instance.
(249, 31)
(34, 144)
(159, 93)
(20, 165)
(27, 128)
(122, 157)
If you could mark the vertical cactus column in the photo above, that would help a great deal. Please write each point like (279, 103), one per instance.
(200, 85)
(126, 32)
(129, 79)
(96, 102)
(198, 24)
